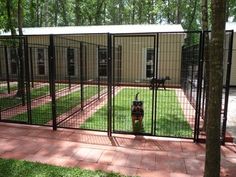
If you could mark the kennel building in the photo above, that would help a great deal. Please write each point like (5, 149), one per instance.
(87, 78)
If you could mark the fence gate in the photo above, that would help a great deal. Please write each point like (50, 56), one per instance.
(134, 67)
(151, 67)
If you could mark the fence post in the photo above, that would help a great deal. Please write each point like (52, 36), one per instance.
(68, 67)
(27, 77)
(109, 80)
(99, 79)
(114, 80)
(31, 68)
(7, 70)
(21, 72)
(199, 88)
(192, 73)
(52, 76)
(81, 76)
(154, 90)
(227, 85)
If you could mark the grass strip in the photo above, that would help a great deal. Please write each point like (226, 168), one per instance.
(11, 101)
(17, 168)
(3, 89)
(43, 114)
(170, 117)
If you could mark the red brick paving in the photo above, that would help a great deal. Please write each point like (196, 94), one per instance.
(127, 154)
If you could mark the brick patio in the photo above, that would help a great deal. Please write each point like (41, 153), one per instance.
(127, 154)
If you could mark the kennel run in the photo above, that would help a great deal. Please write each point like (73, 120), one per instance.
(88, 78)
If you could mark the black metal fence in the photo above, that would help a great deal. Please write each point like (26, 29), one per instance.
(92, 81)
(194, 78)
(189, 72)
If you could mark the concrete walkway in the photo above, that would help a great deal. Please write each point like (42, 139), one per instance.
(127, 154)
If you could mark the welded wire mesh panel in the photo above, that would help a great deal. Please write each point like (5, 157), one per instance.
(133, 69)
(189, 72)
(123, 119)
(39, 82)
(227, 64)
(12, 88)
(81, 65)
(178, 71)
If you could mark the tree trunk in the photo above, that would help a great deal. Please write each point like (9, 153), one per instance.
(139, 12)
(204, 4)
(152, 14)
(212, 162)
(98, 12)
(227, 11)
(168, 11)
(77, 13)
(192, 17)
(32, 13)
(121, 12)
(56, 13)
(46, 13)
(64, 11)
(9, 18)
(133, 12)
(178, 16)
(20, 74)
(37, 13)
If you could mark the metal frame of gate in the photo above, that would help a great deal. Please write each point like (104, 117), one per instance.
(112, 79)
(155, 76)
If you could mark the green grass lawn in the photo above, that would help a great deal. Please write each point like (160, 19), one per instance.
(35, 93)
(170, 117)
(42, 114)
(18, 168)
(3, 89)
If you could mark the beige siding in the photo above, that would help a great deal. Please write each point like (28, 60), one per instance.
(170, 49)
(132, 55)
(39, 40)
(233, 67)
